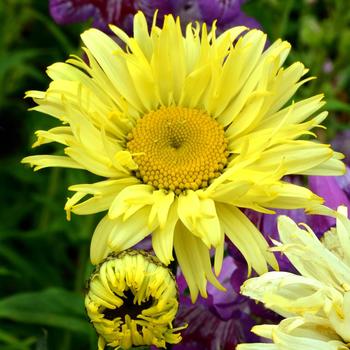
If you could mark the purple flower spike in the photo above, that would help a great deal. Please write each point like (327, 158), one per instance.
(224, 304)
(344, 182)
(224, 319)
(206, 331)
(227, 12)
(328, 188)
(104, 12)
(70, 11)
(120, 12)
(341, 143)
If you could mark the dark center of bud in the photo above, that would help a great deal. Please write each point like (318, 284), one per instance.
(128, 308)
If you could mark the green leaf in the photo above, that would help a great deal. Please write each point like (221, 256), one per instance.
(20, 263)
(13, 59)
(51, 307)
(335, 105)
(14, 343)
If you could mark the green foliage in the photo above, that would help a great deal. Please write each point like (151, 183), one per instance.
(50, 307)
(44, 260)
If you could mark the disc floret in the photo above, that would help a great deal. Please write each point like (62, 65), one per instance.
(178, 148)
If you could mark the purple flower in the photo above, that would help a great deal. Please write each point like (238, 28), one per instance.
(341, 143)
(145, 244)
(329, 188)
(224, 11)
(224, 319)
(104, 12)
(120, 12)
(228, 13)
(344, 183)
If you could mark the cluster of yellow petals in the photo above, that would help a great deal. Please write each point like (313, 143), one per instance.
(178, 148)
(132, 301)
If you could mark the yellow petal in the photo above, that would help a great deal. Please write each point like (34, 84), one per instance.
(108, 55)
(245, 236)
(200, 218)
(45, 161)
(127, 233)
(130, 200)
(162, 237)
(99, 248)
(289, 196)
(162, 202)
(194, 260)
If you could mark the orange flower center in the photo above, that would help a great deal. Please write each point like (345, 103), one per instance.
(178, 148)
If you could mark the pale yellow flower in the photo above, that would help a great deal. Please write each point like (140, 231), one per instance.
(316, 304)
(132, 301)
(185, 129)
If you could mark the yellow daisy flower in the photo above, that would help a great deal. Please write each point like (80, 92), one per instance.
(185, 129)
(315, 304)
(132, 301)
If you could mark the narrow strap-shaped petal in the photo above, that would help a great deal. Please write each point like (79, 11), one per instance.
(127, 233)
(163, 236)
(194, 260)
(99, 248)
(46, 161)
(245, 236)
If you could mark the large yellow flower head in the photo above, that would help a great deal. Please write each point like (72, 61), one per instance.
(316, 303)
(185, 129)
(132, 301)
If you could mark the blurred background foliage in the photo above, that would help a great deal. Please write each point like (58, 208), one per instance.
(44, 260)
